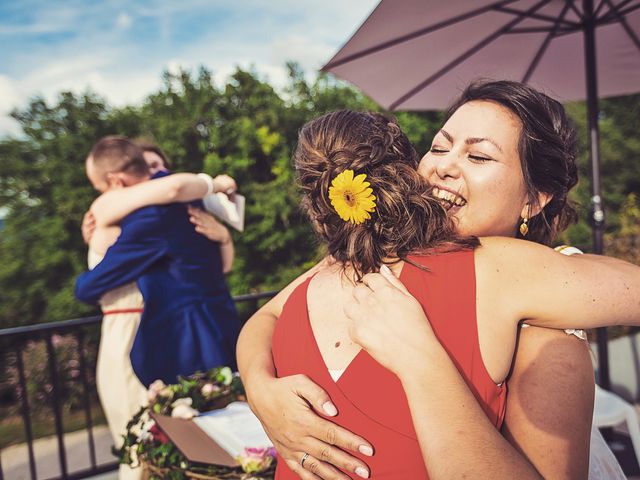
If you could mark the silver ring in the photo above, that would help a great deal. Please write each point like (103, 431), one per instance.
(304, 457)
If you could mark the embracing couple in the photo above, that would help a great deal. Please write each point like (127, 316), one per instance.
(157, 271)
(392, 358)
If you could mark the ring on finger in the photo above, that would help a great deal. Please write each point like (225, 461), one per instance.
(304, 457)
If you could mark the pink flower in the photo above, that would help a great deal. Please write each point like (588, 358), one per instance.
(208, 389)
(254, 460)
(158, 434)
(154, 389)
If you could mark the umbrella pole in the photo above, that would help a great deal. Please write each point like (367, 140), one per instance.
(597, 212)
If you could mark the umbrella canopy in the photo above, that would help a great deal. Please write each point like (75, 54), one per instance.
(419, 55)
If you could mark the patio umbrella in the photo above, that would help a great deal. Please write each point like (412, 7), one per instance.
(419, 54)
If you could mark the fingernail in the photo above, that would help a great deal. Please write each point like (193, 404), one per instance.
(330, 409)
(366, 450)
(362, 472)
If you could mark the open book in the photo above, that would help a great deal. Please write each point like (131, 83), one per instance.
(227, 210)
(233, 428)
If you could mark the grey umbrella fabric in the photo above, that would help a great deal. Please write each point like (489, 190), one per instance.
(419, 54)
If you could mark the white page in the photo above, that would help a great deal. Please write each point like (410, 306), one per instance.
(234, 428)
(230, 212)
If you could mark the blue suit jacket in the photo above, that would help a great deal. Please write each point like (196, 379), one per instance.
(189, 321)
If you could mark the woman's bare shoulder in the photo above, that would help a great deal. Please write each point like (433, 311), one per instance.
(550, 403)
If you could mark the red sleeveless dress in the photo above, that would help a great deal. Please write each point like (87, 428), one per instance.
(369, 398)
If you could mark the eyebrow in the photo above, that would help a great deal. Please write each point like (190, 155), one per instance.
(472, 140)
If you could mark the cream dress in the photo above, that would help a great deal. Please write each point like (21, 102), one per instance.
(121, 393)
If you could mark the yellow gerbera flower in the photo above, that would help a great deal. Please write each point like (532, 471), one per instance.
(351, 197)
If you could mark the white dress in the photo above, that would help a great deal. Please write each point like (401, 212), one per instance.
(121, 393)
(602, 463)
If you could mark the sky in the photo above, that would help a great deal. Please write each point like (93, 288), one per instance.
(119, 49)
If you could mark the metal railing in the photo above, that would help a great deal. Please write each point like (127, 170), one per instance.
(14, 340)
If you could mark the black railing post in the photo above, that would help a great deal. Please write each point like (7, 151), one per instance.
(597, 210)
(55, 400)
(86, 398)
(26, 412)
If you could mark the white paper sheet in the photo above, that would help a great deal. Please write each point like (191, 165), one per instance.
(234, 428)
(230, 212)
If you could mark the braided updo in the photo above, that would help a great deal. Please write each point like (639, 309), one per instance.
(407, 219)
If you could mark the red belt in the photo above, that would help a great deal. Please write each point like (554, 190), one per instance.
(122, 310)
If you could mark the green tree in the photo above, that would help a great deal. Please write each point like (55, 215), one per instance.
(619, 123)
(43, 184)
(245, 128)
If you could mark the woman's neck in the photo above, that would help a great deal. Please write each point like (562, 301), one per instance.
(349, 274)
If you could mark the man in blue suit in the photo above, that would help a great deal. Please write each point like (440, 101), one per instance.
(189, 321)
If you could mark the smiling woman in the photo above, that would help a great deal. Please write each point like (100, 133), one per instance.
(518, 145)
(466, 166)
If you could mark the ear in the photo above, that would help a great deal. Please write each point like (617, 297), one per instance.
(115, 180)
(530, 210)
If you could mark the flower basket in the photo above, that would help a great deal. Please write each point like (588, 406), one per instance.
(152, 472)
(147, 446)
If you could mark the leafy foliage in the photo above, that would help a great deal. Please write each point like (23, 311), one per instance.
(245, 128)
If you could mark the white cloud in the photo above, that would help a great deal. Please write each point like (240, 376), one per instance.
(9, 127)
(175, 65)
(123, 68)
(10, 98)
(124, 21)
(9, 94)
(43, 21)
(72, 69)
(309, 52)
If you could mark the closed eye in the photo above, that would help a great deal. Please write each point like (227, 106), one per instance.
(479, 159)
(437, 150)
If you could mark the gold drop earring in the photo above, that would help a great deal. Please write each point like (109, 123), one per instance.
(524, 228)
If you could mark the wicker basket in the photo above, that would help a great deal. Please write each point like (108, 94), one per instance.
(150, 472)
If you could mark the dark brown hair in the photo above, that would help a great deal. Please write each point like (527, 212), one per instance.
(118, 154)
(547, 149)
(407, 219)
(148, 146)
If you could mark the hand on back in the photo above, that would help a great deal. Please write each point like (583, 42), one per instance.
(208, 226)
(287, 409)
(388, 322)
